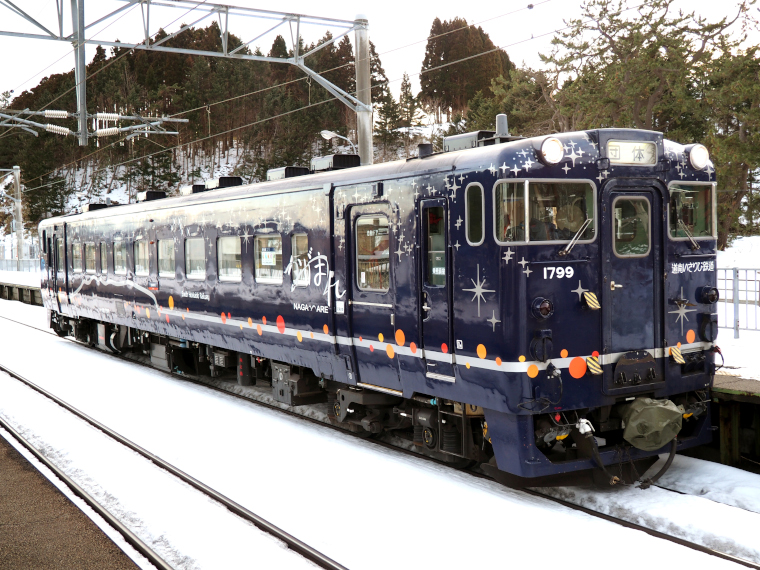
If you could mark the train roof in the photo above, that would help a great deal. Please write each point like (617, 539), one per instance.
(474, 158)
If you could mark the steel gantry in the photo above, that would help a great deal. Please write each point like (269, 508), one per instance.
(200, 11)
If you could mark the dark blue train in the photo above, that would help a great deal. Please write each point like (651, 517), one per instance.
(541, 306)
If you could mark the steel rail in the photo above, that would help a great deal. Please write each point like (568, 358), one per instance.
(385, 445)
(293, 543)
(115, 523)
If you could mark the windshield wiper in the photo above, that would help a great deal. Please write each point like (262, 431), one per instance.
(573, 241)
(694, 244)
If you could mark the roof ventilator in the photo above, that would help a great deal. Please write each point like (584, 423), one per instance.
(286, 172)
(149, 195)
(334, 162)
(480, 138)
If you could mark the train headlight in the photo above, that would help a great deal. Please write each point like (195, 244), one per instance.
(708, 295)
(542, 308)
(699, 156)
(552, 150)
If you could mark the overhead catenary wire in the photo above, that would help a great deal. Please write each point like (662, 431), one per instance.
(182, 145)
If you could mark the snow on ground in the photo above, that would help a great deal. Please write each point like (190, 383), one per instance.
(719, 483)
(744, 252)
(364, 506)
(181, 524)
(29, 278)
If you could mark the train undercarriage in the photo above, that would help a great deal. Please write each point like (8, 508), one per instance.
(455, 433)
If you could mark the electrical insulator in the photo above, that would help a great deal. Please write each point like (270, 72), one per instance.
(52, 114)
(107, 116)
(57, 129)
(107, 132)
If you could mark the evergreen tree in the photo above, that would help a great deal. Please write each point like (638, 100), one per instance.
(410, 112)
(387, 123)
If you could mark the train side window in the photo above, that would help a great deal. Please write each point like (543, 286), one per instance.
(141, 257)
(166, 258)
(631, 232)
(474, 214)
(509, 212)
(373, 253)
(76, 257)
(195, 258)
(268, 259)
(228, 259)
(559, 210)
(300, 268)
(120, 257)
(59, 263)
(103, 258)
(89, 257)
(435, 244)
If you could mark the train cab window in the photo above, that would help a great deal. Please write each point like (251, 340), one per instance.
(558, 211)
(474, 214)
(372, 253)
(195, 258)
(300, 270)
(166, 258)
(103, 257)
(228, 258)
(76, 257)
(59, 246)
(631, 227)
(120, 257)
(141, 257)
(690, 212)
(268, 259)
(89, 257)
(509, 211)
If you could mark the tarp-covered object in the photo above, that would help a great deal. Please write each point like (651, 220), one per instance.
(650, 424)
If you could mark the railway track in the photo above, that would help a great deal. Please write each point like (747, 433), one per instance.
(296, 545)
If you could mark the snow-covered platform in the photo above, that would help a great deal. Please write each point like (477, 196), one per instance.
(734, 394)
(21, 286)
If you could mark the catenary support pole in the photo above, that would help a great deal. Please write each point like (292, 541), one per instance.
(19, 219)
(363, 92)
(80, 67)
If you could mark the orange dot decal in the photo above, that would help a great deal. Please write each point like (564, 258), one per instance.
(229, 316)
(224, 318)
(325, 329)
(250, 322)
(678, 344)
(171, 302)
(444, 348)
(563, 353)
(498, 361)
(241, 327)
(147, 312)
(167, 319)
(389, 351)
(521, 358)
(280, 324)
(380, 337)
(311, 334)
(371, 348)
(577, 367)
(595, 354)
(413, 347)
(263, 320)
(258, 329)
(467, 365)
(299, 336)
(400, 338)
(360, 339)
(532, 370)
(481, 350)
(690, 336)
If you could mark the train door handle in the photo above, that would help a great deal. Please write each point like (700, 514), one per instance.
(613, 286)
(425, 307)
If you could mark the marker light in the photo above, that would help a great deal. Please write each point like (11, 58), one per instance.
(699, 156)
(542, 308)
(552, 150)
(708, 295)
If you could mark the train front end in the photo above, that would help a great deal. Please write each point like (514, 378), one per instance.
(620, 325)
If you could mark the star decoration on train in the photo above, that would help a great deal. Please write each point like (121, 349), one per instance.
(527, 164)
(246, 236)
(493, 320)
(508, 255)
(459, 222)
(681, 311)
(454, 186)
(524, 153)
(602, 176)
(580, 290)
(492, 169)
(456, 245)
(461, 178)
(431, 189)
(399, 251)
(567, 169)
(479, 289)
(504, 168)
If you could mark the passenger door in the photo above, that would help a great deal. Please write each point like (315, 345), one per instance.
(631, 287)
(435, 295)
(371, 299)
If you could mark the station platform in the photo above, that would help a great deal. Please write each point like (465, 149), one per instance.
(738, 400)
(41, 529)
(21, 286)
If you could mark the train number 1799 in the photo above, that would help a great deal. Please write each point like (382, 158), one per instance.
(559, 272)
